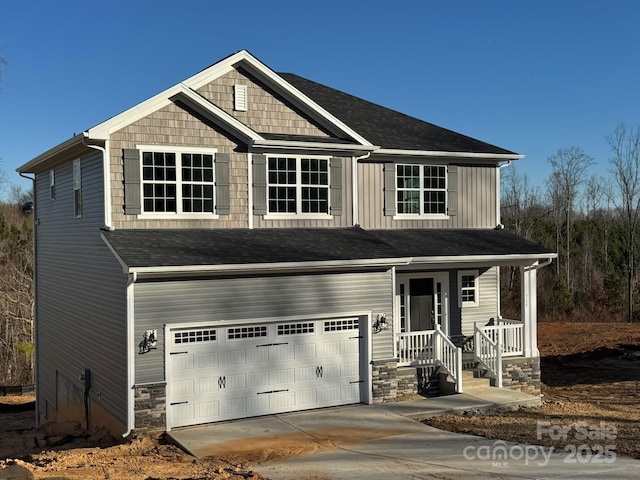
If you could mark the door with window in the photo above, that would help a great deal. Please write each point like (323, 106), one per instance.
(422, 302)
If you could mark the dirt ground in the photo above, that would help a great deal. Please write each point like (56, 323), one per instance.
(591, 394)
(590, 374)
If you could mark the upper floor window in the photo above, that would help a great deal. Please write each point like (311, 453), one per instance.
(298, 185)
(421, 189)
(77, 188)
(177, 182)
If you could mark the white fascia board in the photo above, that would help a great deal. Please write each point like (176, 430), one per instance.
(72, 142)
(484, 259)
(428, 153)
(260, 267)
(162, 99)
(218, 115)
(313, 145)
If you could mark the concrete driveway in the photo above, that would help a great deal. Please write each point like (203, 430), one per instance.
(383, 442)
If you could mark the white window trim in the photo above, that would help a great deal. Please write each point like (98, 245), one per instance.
(298, 214)
(476, 288)
(179, 214)
(422, 215)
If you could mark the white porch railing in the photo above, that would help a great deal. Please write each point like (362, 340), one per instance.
(508, 334)
(431, 347)
(488, 353)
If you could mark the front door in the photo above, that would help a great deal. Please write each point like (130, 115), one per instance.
(422, 301)
(421, 310)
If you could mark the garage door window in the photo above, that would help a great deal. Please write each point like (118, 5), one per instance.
(341, 325)
(239, 333)
(302, 328)
(194, 336)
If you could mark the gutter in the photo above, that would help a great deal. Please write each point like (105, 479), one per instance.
(72, 142)
(430, 153)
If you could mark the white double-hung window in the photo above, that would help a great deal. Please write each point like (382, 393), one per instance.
(179, 181)
(298, 185)
(421, 189)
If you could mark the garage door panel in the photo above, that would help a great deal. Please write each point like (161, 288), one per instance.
(307, 350)
(207, 360)
(182, 388)
(208, 410)
(284, 376)
(236, 357)
(207, 385)
(280, 353)
(257, 356)
(234, 372)
(258, 379)
(307, 374)
(331, 349)
(182, 362)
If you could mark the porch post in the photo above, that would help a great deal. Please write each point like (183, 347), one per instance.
(529, 309)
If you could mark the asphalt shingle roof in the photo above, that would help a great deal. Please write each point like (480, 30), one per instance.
(187, 247)
(385, 127)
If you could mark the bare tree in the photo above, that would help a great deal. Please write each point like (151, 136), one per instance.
(625, 167)
(569, 170)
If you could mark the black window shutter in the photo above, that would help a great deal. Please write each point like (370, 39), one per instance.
(390, 189)
(259, 185)
(335, 187)
(452, 190)
(223, 199)
(131, 162)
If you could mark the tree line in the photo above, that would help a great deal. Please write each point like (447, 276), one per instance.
(591, 222)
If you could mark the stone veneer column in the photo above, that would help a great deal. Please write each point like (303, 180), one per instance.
(384, 377)
(150, 406)
(521, 374)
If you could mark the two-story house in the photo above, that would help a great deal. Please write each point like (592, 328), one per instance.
(250, 242)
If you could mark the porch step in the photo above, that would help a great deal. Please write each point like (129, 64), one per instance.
(475, 378)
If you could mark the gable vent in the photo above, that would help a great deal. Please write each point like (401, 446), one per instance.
(240, 97)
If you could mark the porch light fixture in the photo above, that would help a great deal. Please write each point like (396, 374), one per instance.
(380, 323)
(149, 341)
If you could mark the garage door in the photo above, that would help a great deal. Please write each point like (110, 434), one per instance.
(222, 373)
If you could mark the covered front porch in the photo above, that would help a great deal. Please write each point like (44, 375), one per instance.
(449, 318)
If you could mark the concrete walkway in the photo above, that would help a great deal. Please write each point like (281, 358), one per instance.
(384, 441)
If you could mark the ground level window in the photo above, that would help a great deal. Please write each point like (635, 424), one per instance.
(468, 286)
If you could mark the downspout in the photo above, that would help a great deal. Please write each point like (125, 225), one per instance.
(106, 167)
(354, 186)
(131, 280)
(36, 369)
(250, 190)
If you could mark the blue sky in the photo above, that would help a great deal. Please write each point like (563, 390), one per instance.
(529, 76)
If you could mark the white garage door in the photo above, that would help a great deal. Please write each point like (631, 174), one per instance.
(222, 373)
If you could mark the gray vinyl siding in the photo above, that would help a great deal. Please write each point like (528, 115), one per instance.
(81, 292)
(476, 206)
(488, 300)
(211, 300)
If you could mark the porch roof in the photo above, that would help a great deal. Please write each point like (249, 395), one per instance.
(174, 250)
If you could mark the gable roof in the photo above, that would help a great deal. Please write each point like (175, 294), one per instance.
(182, 250)
(358, 125)
(388, 128)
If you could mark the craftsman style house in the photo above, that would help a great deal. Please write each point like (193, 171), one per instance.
(250, 242)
